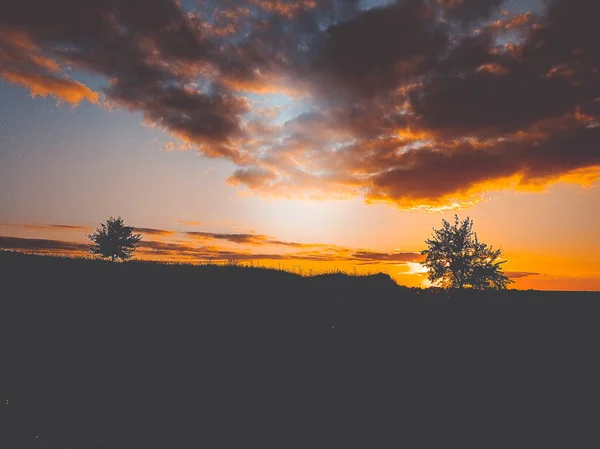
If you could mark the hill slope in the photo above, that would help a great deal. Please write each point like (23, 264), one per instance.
(148, 355)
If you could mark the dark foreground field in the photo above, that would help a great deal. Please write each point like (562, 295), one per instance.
(142, 355)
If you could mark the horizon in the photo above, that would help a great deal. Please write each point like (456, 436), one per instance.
(311, 135)
(294, 270)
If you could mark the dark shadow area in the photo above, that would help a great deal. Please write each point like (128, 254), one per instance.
(144, 355)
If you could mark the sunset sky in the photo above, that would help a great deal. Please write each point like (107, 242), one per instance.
(306, 134)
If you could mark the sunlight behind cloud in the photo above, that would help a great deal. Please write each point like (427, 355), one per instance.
(415, 268)
(307, 218)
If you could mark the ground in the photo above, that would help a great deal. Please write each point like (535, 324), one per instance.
(143, 355)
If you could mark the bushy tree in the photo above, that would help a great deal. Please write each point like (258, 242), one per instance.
(457, 259)
(113, 240)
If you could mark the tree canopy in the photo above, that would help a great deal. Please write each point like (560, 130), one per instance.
(114, 240)
(457, 259)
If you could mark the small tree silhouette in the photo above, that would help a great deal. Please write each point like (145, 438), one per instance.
(457, 259)
(113, 240)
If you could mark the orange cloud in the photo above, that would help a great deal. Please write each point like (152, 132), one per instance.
(219, 31)
(17, 48)
(410, 134)
(23, 62)
(283, 8)
(262, 84)
(495, 69)
(46, 85)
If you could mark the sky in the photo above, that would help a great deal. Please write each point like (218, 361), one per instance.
(312, 135)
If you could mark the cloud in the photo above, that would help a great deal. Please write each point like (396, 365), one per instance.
(149, 50)
(369, 256)
(454, 126)
(206, 120)
(520, 274)
(189, 251)
(251, 239)
(48, 227)
(297, 244)
(154, 232)
(157, 249)
(253, 177)
(23, 62)
(469, 10)
(375, 50)
(284, 8)
(43, 85)
(238, 238)
(198, 249)
(465, 169)
(406, 103)
(41, 245)
(74, 227)
(180, 251)
(152, 249)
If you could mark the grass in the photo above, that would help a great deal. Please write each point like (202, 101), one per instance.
(151, 355)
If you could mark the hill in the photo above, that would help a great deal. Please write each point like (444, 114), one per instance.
(144, 355)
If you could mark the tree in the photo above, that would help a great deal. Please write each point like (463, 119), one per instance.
(457, 259)
(113, 240)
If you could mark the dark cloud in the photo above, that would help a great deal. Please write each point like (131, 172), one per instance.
(209, 121)
(74, 227)
(48, 227)
(406, 103)
(482, 88)
(387, 257)
(380, 48)
(202, 253)
(251, 239)
(455, 169)
(520, 274)
(253, 177)
(297, 244)
(469, 10)
(474, 113)
(154, 232)
(183, 252)
(40, 245)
